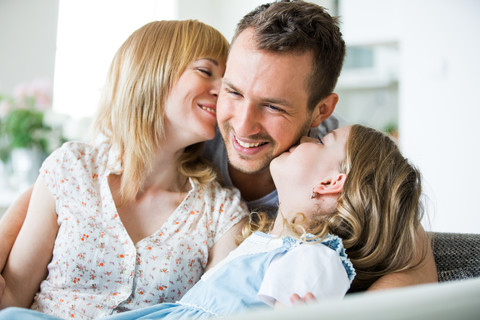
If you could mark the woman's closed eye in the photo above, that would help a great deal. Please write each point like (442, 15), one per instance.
(205, 71)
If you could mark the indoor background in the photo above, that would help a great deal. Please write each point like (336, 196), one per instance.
(412, 70)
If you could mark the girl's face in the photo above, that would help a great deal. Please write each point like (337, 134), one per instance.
(190, 110)
(306, 166)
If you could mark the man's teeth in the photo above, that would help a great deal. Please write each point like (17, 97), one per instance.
(209, 109)
(249, 145)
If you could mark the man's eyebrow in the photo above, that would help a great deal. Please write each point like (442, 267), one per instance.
(281, 102)
(230, 85)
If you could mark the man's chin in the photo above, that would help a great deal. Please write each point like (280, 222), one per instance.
(249, 166)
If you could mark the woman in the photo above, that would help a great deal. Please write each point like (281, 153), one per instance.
(136, 218)
(329, 208)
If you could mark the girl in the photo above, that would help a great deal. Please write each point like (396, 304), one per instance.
(350, 193)
(134, 219)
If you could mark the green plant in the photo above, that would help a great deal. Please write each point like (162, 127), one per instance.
(25, 129)
(4, 146)
(22, 120)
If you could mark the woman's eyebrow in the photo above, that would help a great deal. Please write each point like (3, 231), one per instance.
(215, 62)
(334, 133)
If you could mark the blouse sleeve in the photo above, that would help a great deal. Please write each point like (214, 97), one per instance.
(307, 268)
(53, 169)
(228, 210)
(64, 168)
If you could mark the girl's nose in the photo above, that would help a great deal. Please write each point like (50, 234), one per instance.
(305, 139)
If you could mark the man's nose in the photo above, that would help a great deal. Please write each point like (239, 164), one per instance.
(248, 120)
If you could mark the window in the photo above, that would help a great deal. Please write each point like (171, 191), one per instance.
(89, 33)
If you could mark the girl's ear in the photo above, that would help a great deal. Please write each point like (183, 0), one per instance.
(331, 186)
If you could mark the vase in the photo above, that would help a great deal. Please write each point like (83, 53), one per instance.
(25, 164)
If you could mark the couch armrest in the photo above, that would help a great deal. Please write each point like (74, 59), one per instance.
(457, 255)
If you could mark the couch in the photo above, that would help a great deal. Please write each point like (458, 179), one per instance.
(456, 296)
(457, 255)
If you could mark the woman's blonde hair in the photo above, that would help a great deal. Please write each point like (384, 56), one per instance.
(142, 73)
(378, 212)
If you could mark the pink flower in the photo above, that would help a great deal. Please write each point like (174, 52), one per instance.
(5, 108)
(41, 90)
(36, 94)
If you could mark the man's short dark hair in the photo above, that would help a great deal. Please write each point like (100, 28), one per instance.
(300, 27)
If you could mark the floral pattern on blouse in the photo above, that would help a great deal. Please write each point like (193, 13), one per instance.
(96, 269)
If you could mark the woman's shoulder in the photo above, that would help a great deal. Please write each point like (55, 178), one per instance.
(81, 153)
(222, 205)
(80, 148)
(213, 191)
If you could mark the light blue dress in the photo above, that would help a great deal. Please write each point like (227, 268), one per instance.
(231, 287)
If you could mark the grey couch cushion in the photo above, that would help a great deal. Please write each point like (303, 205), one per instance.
(457, 255)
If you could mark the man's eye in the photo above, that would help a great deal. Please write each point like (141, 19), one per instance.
(235, 93)
(274, 108)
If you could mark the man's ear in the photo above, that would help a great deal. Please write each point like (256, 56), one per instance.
(331, 186)
(324, 109)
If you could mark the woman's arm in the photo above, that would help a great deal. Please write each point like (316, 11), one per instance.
(425, 272)
(11, 223)
(226, 244)
(10, 226)
(27, 263)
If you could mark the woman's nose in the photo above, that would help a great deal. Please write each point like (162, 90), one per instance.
(216, 87)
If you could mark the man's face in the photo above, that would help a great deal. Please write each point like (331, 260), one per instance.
(262, 106)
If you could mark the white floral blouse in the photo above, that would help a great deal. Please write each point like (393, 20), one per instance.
(96, 269)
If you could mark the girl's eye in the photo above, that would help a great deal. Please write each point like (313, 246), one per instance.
(320, 140)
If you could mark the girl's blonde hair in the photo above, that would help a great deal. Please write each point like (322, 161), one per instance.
(378, 212)
(142, 73)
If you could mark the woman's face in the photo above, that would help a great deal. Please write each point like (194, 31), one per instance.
(297, 171)
(190, 110)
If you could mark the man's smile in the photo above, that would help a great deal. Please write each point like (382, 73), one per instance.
(249, 145)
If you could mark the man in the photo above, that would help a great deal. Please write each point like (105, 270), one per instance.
(282, 69)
